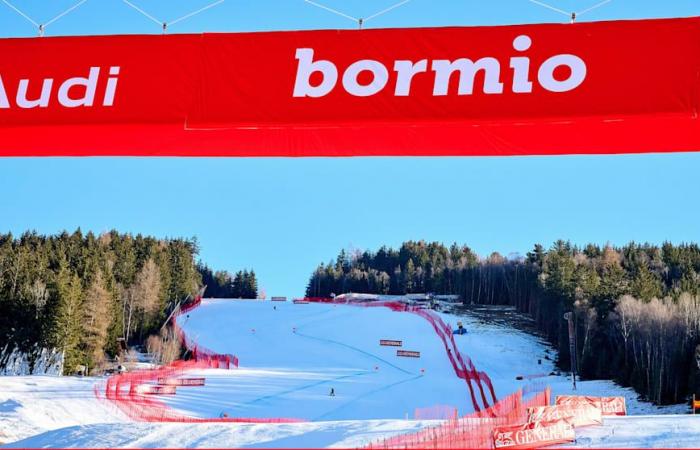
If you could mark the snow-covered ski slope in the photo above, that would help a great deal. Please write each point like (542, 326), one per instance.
(292, 355)
(667, 431)
(289, 373)
(32, 404)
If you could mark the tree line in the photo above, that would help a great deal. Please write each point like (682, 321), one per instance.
(636, 307)
(223, 284)
(82, 293)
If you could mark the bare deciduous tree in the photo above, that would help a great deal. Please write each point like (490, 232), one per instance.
(97, 319)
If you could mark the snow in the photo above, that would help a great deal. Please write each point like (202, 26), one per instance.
(34, 404)
(46, 362)
(289, 373)
(660, 431)
(504, 352)
(340, 434)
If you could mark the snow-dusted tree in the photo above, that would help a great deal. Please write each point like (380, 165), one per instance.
(40, 295)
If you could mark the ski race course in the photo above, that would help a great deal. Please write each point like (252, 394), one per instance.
(291, 355)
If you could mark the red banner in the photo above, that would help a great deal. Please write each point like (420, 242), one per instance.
(610, 406)
(577, 416)
(181, 381)
(606, 87)
(156, 389)
(533, 435)
(408, 353)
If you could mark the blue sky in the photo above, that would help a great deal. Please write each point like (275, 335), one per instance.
(283, 216)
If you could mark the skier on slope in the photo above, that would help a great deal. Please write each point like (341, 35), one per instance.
(332, 394)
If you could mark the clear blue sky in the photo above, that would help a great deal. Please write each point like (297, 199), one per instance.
(284, 216)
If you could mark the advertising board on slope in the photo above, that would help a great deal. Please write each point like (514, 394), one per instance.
(164, 381)
(610, 406)
(576, 415)
(533, 435)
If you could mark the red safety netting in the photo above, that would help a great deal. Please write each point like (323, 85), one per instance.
(136, 393)
(472, 431)
(437, 412)
(462, 365)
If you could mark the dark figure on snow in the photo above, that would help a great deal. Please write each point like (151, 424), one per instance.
(332, 394)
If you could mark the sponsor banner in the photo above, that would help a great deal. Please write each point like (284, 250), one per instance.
(181, 381)
(610, 406)
(533, 435)
(390, 342)
(408, 353)
(576, 415)
(597, 87)
(155, 390)
(299, 301)
(278, 299)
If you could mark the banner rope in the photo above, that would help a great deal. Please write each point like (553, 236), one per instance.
(64, 13)
(165, 24)
(377, 14)
(571, 15)
(20, 13)
(334, 11)
(360, 21)
(41, 27)
(596, 6)
(194, 13)
(143, 12)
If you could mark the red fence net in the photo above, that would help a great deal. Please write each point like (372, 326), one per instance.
(133, 392)
(462, 365)
(437, 412)
(472, 431)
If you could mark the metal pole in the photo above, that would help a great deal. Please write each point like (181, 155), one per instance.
(569, 317)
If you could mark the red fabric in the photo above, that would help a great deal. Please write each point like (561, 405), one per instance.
(232, 94)
(610, 406)
(580, 415)
(533, 435)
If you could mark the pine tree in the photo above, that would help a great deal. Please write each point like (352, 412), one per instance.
(65, 329)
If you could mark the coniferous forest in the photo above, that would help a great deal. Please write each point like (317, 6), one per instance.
(636, 307)
(82, 293)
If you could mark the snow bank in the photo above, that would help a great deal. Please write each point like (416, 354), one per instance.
(38, 362)
(34, 404)
(342, 434)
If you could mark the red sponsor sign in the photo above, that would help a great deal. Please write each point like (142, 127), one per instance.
(576, 415)
(181, 381)
(156, 390)
(610, 406)
(408, 353)
(605, 87)
(390, 342)
(533, 435)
